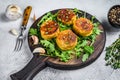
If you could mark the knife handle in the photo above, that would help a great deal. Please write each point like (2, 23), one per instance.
(36, 64)
(26, 16)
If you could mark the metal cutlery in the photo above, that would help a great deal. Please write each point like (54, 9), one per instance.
(20, 38)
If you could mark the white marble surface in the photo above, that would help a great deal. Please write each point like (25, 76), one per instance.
(11, 61)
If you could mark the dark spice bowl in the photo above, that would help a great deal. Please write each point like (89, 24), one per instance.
(114, 16)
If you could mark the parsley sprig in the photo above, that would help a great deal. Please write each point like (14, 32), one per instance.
(113, 54)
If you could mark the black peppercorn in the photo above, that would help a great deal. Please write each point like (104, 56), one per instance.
(114, 16)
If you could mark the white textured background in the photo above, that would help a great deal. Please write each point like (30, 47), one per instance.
(11, 61)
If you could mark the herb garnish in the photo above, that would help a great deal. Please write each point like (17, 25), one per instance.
(113, 54)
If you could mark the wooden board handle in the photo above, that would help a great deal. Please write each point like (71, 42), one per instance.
(36, 64)
(26, 15)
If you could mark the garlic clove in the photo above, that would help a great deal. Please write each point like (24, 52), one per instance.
(14, 32)
(39, 50)
(34, 39)
(13, 12)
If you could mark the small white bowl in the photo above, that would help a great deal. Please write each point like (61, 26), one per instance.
(13, 12)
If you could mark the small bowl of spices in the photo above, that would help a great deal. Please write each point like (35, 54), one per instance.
(114, 16)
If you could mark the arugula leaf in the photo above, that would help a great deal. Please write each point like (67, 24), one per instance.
(84, 15)
(48, 16)
(85, 57)
(65, 55)
(81, 44)
(33, 31)
(78, 49)
(48, 45)
(96, 24)
(63, 27)
(75, 10)
(92, 38)
(96, 31)
(84, 42)
(89, 49)
(78, 53)
(44, 18)
(92, 20)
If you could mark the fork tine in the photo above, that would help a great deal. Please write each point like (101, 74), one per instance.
(20, 44)
(16, 45)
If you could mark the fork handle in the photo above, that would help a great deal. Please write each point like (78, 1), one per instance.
(36, 64)
(26, 15)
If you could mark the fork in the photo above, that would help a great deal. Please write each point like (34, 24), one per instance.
(20, 38)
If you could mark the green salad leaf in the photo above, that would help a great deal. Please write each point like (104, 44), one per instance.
(48, 16)
(64, 27)
(33, 31)
(85, 57)
(50, 47)
(75, 10)
(89, 49)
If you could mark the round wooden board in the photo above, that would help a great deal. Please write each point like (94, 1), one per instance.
(75, 63)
